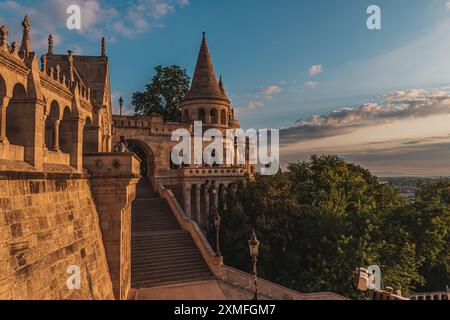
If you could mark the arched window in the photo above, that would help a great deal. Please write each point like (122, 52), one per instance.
(65, 132)
(223, 117)
(90, 137)
(186, 116)
(3, 108)
(19, 116)
(50, 123)
(201, 115)
(213, 119)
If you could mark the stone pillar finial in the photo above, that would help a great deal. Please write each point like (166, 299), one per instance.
(121, 104)
(14, 49)
(44, 63)
(25, 47)
(50, 44)
(103, 47)
(4, 37)
(70, 60)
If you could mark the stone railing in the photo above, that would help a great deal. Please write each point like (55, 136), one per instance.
(12, 152)
(443, 295)
(212, 172)
(56, 157)
(385, 295)
(112, 164)
(271, 290)
(214, 263)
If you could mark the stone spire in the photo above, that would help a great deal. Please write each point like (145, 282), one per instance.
(4, 37)
(204, 82)
(222, 87)
(103, 54)
(70, 62)
(25, 47)
(50, 44)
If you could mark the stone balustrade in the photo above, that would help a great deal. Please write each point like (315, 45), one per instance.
(212, 172)
(214, 263)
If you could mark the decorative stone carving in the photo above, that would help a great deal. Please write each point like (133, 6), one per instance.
(50, 44)
(4, 37)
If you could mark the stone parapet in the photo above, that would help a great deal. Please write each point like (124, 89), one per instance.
(113, 183)
(271, 290)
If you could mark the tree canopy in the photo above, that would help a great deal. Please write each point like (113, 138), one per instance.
(163, 95)
(321, 219)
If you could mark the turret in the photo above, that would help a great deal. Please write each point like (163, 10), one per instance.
(206, 100)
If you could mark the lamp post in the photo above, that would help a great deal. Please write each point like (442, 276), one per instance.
(253, 245)
(217, 225)
(121, 104)
(211, 186)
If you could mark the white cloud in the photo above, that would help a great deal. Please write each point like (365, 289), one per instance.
(397, 106)
(315, 69)
(255, 105)
(272, 90)
(98, 18)
(406, 133)
(311, 85)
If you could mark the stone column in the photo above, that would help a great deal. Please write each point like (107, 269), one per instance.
(55, 132)
(198, 204)
(206, 204)
(216, 199)
(3, 106)
(187, 201)
(76, 154)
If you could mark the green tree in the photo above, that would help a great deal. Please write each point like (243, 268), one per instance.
(322, 218)
(163, 94)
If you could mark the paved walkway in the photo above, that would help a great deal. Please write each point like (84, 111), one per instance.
(207, 290)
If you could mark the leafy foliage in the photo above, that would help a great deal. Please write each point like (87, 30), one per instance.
(321, 219)
(163, 94)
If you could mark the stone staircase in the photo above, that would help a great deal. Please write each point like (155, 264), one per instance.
(162, 253)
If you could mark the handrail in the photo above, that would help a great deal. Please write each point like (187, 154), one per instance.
(272, 290)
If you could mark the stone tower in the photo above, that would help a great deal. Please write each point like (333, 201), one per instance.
(207, 100)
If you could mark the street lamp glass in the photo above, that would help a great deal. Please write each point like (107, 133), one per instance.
(253, 245)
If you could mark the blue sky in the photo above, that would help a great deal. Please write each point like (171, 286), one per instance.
(265, 49)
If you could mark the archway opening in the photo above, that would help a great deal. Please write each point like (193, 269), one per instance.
(50, 126)
(2, 90)
(213, 116)
(2, 109)
(90, 137)
(146, 156)
(19, 118)
(223, 117)
(202, 115)
(65, 132)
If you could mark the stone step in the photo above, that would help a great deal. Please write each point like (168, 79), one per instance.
(149, 284)
(164, 261)
(174, 273)
(161, 252)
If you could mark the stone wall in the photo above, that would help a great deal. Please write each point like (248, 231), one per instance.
(49, 222)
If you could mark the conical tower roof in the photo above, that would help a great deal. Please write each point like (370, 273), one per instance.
(204, 83)
(222, 87)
